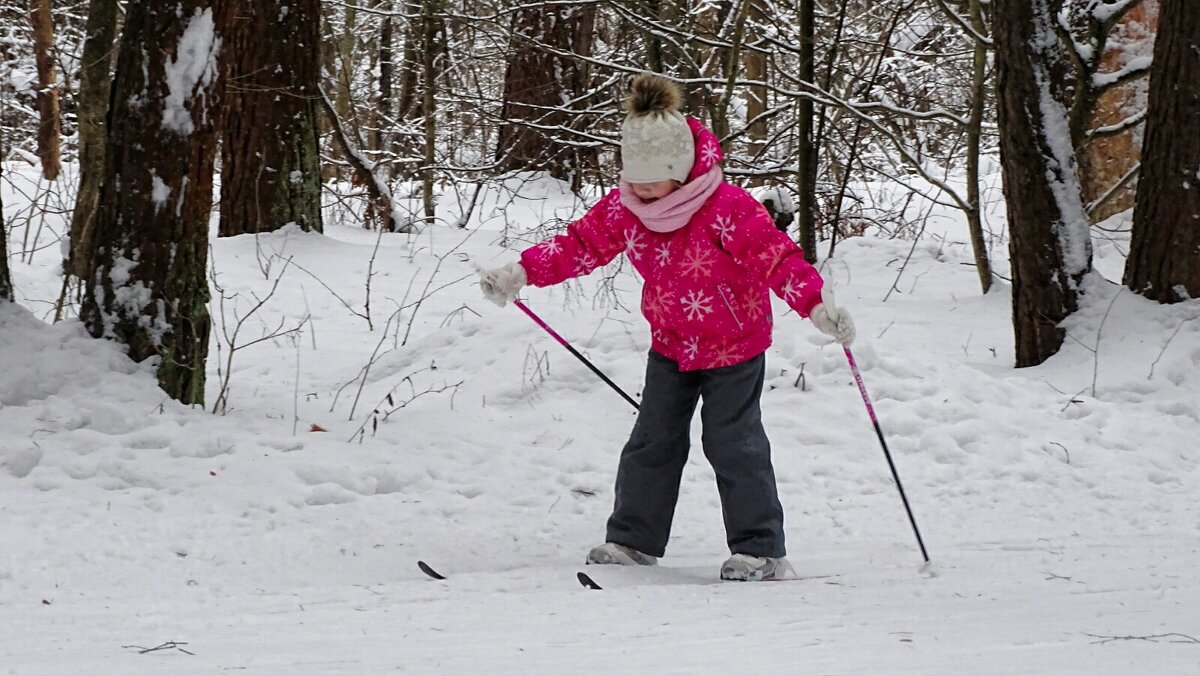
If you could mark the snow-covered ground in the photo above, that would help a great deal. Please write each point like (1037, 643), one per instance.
(1059, 503)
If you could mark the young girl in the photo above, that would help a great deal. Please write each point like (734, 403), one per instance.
(709, 255)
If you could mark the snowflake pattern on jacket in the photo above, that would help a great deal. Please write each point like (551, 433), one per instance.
(707, 285)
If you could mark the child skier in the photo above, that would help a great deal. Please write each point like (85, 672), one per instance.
(709, 255)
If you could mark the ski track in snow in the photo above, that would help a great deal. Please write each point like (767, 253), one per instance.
(1057, 519)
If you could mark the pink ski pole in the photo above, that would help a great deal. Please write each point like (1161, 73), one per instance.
(862, 389)
(564, 343)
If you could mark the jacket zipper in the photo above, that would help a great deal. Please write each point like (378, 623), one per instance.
(723, 289)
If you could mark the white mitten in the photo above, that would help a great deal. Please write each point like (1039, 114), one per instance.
(500, 285)
(832, 320)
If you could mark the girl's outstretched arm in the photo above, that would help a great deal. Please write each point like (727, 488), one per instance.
(588, 243)
(755, 243)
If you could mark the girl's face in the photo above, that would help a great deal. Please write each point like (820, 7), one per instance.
(648, 192)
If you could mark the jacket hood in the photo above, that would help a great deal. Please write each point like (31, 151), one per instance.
(708, 149)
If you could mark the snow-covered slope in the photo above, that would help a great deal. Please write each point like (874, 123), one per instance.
(1058, 503)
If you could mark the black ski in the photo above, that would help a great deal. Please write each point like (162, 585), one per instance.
(586, 581)
(429, 571)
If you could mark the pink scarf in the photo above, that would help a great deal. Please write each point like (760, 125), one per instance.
(672, 212)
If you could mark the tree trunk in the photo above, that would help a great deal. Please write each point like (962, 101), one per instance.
(429, 105)
(808, 147)
(50, 124)
(149, 290)
(756, 95)
(6, 293)
(270, 155)
(983, 264)
(387, 76)
(537, 85)
(330, 171)
(652, 9)
(406, 107)
(1164, 253)
(95, 83)
(723, 62)
(1108, 158)
(1049, 241)
(345, 64)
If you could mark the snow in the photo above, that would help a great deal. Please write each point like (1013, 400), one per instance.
(1073, 231)
(781, 198)
(1104, 11)
(191, 72)
(1139, 64)
(1057, 502)
(161, 192)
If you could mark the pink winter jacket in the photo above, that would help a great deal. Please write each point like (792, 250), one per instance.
(706, 284)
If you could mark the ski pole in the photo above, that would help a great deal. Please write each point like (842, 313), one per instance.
(573, 351)
(862, 389)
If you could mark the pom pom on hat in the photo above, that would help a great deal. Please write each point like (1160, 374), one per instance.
(650, 93)
(656, 141)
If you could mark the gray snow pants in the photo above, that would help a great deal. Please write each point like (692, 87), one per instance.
(735, 443)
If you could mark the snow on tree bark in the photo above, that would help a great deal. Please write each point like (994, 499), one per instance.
(1164, 253)
(1050, 244)
(149, 289)
(270, 157)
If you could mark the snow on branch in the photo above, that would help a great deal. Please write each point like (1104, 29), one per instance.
(1135, 68)
(379, 190)
(963, 23)
(1119, 127)
(1108, 12)
(907, 157)
(1085, 51)
(1087, 26)
(934, 113)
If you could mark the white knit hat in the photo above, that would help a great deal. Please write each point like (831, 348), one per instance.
(656, 141)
